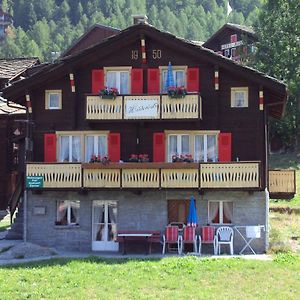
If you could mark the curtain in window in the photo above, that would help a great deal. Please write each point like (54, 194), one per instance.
(89, 148)
(74, 211)
(211, 148)
(179, 78)
(239, 99)
(124, 83)
(76, 147)
(111, 80)
(185, 144)
(227, 212)
(102, 146)
(112, 221)
(172, 146)
(164, 78)
(62, 216)
(64, 149)
(199, 148)
(213, 212)
(98, 221)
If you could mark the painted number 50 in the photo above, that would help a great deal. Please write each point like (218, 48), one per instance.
(156, 54)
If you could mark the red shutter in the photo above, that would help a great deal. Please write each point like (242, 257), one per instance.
(97, 81)
(193, 80)
(114, 147)
(158, 147)
(153, 81)
(50, 147)
(137, 81)
(224, 146)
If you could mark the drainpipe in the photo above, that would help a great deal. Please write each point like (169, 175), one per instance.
(267, 229)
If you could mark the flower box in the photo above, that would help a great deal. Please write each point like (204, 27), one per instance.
(177, 92)
(111, 93)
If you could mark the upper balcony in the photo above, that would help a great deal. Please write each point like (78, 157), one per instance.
(143, 107)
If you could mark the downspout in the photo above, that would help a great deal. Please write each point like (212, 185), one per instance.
(267, 195)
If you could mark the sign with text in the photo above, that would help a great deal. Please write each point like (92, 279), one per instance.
(142, 109)
(34, 182)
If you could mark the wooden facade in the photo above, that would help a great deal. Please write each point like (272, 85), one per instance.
(83, 112)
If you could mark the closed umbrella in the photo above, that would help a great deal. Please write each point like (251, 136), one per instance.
(192, 217)
(169, 79)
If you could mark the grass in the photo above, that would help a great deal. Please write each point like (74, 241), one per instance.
(5, 223)
(169, 278)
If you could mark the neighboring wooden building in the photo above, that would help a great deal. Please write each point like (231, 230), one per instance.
(233, 41)
(79, 204)
(6, 20)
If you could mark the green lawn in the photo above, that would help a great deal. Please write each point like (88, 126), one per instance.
(5, 224)
(169, 278)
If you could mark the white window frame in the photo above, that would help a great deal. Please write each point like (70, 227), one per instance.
(48, 94)
(179, 144)
(118, 70)
(245, 91)
(221, 212)
(205, 151)
(96, 144)
(68, 203)
(175, 69)
(70, 136)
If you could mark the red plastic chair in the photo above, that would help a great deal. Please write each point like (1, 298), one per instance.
(172, 236)
(208, 237)
(189, 237)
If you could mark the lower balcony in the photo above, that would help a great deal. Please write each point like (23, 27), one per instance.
(235, 175)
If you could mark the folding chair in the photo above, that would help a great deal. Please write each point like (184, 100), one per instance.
(172, 236)
(189, 237)
(207, 237)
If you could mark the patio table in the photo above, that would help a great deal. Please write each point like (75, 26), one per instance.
(248, 233)
(135, 237)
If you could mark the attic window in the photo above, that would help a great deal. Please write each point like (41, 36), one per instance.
(239, 97)
(53, 99)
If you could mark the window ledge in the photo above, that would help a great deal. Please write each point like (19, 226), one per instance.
(66, 226)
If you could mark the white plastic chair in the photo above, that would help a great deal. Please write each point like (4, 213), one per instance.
(224, 237)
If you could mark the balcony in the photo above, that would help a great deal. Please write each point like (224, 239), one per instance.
(282, 184)
(235, 175)
(143, 107)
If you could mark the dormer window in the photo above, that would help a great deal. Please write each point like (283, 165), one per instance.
(53, 99)
(239, 97)
(118, 78)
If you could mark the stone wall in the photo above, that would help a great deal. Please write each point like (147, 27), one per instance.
(144, 210)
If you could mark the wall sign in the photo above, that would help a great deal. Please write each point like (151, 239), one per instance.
(34, 182)
(231, 45)
(141, 109)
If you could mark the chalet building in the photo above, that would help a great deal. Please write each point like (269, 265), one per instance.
(104, 162)
(233, 41)
(6, 20)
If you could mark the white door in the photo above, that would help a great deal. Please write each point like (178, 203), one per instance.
(104, 227)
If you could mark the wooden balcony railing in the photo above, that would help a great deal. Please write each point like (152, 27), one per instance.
(56, 175)
(235, 175)
(282, 182)
(143, 107)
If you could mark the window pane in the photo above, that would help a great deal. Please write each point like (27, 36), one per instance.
(111, 80)
(172, 146)
(54, 100)
(102, 146)
(62, 214)
(199, 148)
(124, 83)
(185, 144)
(164, 79)
(227, 212)
(214, 212)
(239, 99)
(179, 78)
(212, 148)
(74, 211)
(64, 149)
(89, 148)
(76, 149)
(67, 212)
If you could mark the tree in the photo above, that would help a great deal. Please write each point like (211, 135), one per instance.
(278, 55)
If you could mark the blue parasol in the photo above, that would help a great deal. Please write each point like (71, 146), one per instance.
(170, 79)
(192, 217)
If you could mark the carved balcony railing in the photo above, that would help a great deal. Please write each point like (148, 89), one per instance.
(54, 175)
(282, 183)
(143, 107)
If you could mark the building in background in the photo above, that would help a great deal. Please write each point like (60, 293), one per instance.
(6, 20)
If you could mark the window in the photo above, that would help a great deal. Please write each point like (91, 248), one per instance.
(220, 212)
(179, 76)
(178, 144)
(206, 148)
(67, 212)
(70, 148)
(239, 97)
(233, 38)
(53, 99)
(202, 146)
(118, 78)
(227, 53)
(95, 145)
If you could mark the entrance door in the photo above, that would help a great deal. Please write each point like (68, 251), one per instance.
(104, 227)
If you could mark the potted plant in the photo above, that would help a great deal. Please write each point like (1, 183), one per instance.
(107, 93)
(177, 92)
(188, 158)
(143, 158)
(134, 158)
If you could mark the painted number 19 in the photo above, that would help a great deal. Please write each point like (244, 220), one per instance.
(135, 54)
(156, 54)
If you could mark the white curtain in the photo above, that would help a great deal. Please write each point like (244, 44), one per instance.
(124, 83)
(211, 148)
(89, 148)
(179, 78)
(227, 212)
(164, 79)
(185, 144)
(112, 221)
(199, 148)
(74, 211)
(172, 146)
(102, 145)
(213, 212)
(62, 212)
(76, 147)
(239, 99)
(64, 149)
(111, 79)
(98, 221)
